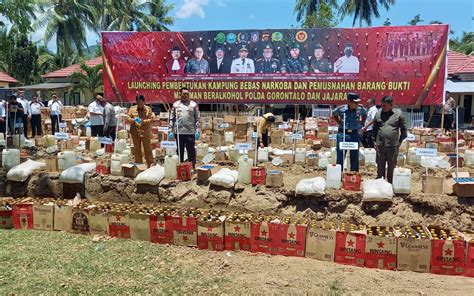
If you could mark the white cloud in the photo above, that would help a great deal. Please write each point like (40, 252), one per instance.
(221, 3)
(192, 7)
(252, 17)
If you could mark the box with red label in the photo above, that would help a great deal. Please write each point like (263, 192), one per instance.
(161, 227)
(447, 251)
(184, 171)
(321, 241)
(185, 227)
(292, 237)
(80, 220)
(211, 232)
(469, 270)
(264, 237)
(237, 232)
(413, 248)
(381, 248)
(102, 166)
(6, 219)
(119, 224)
(323, 126)
(351, 181)
(350, 245)
(22, 214)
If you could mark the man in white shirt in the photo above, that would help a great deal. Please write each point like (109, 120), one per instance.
(55, 107)
(3, 117)
(96, 117)
(24, 102)
(35, 109)
(348, 63)
(242, 64)
(366, 139)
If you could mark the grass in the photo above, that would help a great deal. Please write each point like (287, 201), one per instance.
(336, 288)
(36, 262)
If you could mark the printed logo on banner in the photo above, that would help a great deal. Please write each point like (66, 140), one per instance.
(277, 36)
(301, 36)
(242, 37)
(220, 38)
(231, 38)
(254, 37)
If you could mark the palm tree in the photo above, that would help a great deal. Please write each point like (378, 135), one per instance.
(464, 43)
(88, 78)
(306, 8)
(19, 13)
(364, 10)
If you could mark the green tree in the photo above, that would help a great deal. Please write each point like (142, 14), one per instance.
(323, 17)
(463, 43)
(7, 43)
(415, 20)
(308, 8)
(387, 22)
(23, 57)
(88, 78)
(363, 10)
(18, 14)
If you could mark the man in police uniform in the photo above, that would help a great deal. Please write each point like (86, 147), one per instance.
(268, 64)
(355, 116)
(242, 64)
(348, 63)
(320, 64)
(295, 63)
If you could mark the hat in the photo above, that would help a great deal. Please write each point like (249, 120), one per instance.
(268, 46)
(176, 48)
(295, 45)
(243, 47)
(353, 97)
(318, 46)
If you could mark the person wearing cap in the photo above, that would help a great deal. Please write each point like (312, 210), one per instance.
(320, 64)
(176, 65)
(262, 126)
(268, 64)
(96, 116)
(35, 109)
(389, 132)
(140, 118)
(185, 122)
(243, 64)
(350, 118)
(347, 63)
(55, 106)
(197, 65)
(219, 64)
(295, 63)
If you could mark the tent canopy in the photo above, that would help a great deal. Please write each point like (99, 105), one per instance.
(459, 86)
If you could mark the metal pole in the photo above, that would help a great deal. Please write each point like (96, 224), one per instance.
(7, 127)
(343, 140)
(457, 142)
(256, 142)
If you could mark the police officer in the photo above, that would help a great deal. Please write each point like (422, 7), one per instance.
(355, 116)
(242, 64)
(268, 64)
(320, 64)
(295, 63)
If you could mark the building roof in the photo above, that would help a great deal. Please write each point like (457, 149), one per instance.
(44, 86)
(66, 72)
(459, 63)
(4, 77)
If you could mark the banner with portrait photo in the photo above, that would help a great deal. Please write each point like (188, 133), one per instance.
(289, 66)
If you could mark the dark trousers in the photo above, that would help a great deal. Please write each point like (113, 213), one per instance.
(36, 125)
(386, 156)
(110, 132)
(97, 130)
(55, 120)
(448, 122)
(367, 140)
(350, 137)
(187, 141)
(3, 127)
(264, 140)
(24, 119)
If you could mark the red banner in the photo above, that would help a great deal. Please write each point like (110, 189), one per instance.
(313, 66)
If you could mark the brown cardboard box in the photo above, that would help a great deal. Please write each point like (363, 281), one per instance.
(131, 170)
(287, 158)
(446, 147)
(119, 224)
(220, 156)
(241, 120)
(274, 179)
(98, 222)
(210, 235)
(140, 226)
(204, 172)
(465, 185)
(432, 184)
(320, 243)
(62, 218)
(276, 140)
(43, 217)
(52, 164)
(237, 233)
(414, 253)
(229, 119)
(312, 159)
(381, 250)
(241, 127)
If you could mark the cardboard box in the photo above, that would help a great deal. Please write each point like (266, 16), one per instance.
(237, 233)
(62, 217)
(446, 147)
(287, 158)
(432, 184)
(241, 127)
(229, 119)
(241, 120)
(312, 160)
(6, 219)
(98, 222)
(22, 215)
(204, 172)
(274, 179)
(414, 253)
(463, 186)
(350, 247)
(102, 166)
(161, 229)
(292, 238)
(447, 255)
(321, 241)
(469, 269)
(131, 170)
(43, 217)
(220, 156)
(276, 140)
(264, 237)
(140, 226)
(210, 235)
(80, 221)
(184, 230)
(119, 224)
(52, 164)
(381, 250)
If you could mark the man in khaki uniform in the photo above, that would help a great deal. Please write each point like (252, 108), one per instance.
(262, 126)
(140, 117)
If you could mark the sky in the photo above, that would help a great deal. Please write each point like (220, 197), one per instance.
(203, 15)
